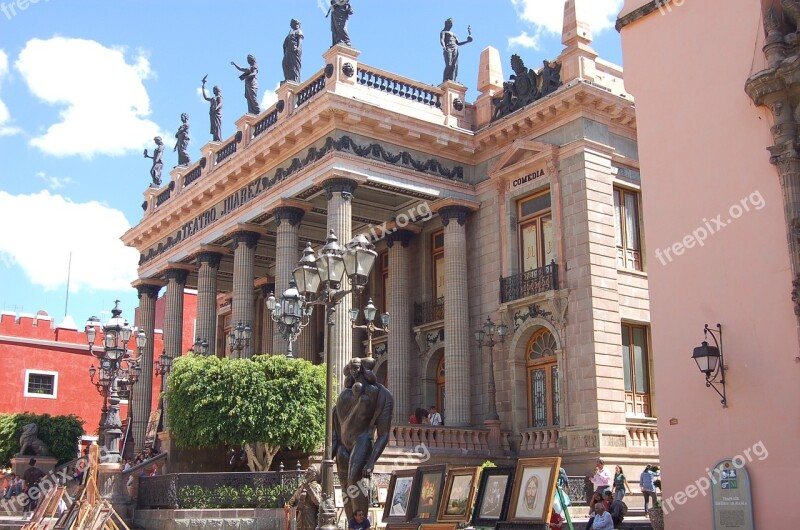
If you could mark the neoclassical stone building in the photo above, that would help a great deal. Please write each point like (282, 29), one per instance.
(528, 215)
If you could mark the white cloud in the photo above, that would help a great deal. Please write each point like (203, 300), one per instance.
(269, 98)
(547, 15)
(105, 102)
(49, 227)
(5, 117)
(524, 40)
(53, 183)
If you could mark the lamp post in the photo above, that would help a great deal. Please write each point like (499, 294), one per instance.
(116, 362)
(370, 312)
(291, 313)
(239, 338)
(200, 346)
(319, 281)
(711, 362)
(485, 337)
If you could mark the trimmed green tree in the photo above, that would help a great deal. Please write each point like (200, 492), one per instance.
(60, 433)
(263, 404)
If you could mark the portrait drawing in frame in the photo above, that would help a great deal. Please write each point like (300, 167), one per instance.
(428, 486)
(494, 496)
(398, 496)
(534, 489)
(459, 491)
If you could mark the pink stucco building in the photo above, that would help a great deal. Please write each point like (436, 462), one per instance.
(716, 111)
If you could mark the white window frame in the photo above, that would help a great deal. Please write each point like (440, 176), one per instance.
(29, 372)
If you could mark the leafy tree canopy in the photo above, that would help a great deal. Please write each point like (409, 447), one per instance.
(60, 433)
(269, 400)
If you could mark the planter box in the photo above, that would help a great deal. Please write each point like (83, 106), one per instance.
(232, 519)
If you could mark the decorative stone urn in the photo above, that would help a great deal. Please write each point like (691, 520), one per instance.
(656, 516)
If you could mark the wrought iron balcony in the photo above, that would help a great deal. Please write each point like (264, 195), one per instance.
(430, 311)
(529, 283)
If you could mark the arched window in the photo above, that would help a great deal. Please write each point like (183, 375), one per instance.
(543, 392)
(440, 385)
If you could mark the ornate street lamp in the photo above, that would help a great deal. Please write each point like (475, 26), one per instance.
(370, 311)
(485, 337)
(116, 363)
(291, 313)
(239, 338)
(320, 283)
(711, 362)
(200, 346)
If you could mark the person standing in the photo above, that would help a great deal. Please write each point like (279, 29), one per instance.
(293, 52)
(435, 417)
(620, 484)
(647, 486)
(602, 478)
(31, 478)
(450, 44)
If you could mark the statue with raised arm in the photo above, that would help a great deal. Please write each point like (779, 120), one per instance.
(158, 163)
(361, 421)
(214, 111)
(182, 144)
(306, 499)
(450, 44)
(340, 12)
(293, 52)
(249, 76)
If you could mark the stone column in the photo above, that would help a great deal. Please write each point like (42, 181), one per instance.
(173, 322)
(244, 253)
(208, 266)
(143, 389)
(400, 359)
(287, 253)
(456, 317)
(339, 192)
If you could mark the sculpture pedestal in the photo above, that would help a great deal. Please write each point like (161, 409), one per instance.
(111, 485)
(495, 439)
(19, 463)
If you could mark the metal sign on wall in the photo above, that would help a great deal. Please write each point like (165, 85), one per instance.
(731, 497)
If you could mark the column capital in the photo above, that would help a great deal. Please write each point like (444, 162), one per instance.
(342, 185)
(212, 259)
(148, 290)
(177, 274)
(290, 214)
(245, 236)
(457, 213)
(399, 236)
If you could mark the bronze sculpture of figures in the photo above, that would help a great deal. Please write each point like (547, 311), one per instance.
(293, 52)
(158, 163)
(214, 111)
(551, 77)
(361, 421)
(307, 498)
(182, 144)
(450, 44)
(526, 86)
(250, 84)
(341, 11)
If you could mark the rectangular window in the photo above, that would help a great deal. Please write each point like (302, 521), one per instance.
(536, 232)
(626, 222)
(41, 384)
(635, 363)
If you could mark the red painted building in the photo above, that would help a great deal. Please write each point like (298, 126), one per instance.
(45, 367)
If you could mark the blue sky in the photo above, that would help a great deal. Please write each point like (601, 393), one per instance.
(86, 84)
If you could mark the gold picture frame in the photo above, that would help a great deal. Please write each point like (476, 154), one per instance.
(459, 493)
(534, 489)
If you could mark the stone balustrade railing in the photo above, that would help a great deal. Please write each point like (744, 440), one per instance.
(411, 436)
(311, 88)
(400, 86)
(642, 435)
(538, 439)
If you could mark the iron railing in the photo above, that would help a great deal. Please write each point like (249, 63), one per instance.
(163, 197)
(430, 311)
(529, 283)
(227, 150)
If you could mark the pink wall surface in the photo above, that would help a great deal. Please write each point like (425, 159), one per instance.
(702, 144)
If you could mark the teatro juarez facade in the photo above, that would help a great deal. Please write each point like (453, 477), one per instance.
(522, 206)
